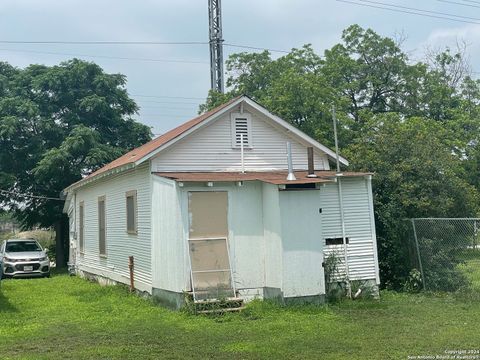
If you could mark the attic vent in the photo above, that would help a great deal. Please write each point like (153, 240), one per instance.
(241, 125)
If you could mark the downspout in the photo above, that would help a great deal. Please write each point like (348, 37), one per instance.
(340, 199)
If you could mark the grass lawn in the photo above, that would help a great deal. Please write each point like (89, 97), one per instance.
(69, 318)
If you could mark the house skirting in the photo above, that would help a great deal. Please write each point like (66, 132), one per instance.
(105, 278)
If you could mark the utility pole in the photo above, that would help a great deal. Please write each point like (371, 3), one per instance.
(216, 46)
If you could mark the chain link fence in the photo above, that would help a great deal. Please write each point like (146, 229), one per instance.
(445, 253)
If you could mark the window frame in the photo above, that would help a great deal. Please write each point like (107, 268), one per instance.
(133, 194)
(336, 241)
(233, 119)
(81, 227)
(101, 199)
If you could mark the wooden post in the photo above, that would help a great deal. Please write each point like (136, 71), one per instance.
(130, 267)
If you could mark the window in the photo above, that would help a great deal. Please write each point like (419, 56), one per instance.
(335, 241)
(309, 186)
(102, 248)
(241, 125)
(131, 200)
(81, 240)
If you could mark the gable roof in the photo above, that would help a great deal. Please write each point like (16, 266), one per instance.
(151, 148)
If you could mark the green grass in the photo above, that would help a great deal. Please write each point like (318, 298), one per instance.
(69, 318)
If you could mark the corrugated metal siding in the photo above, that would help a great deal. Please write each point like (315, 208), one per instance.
(120, 245)
(210, 149)
(359, 227)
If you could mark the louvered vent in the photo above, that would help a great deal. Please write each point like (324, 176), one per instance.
(241, 125)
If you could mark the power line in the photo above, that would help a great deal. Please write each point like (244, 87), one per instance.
(407, 11)
(416, 9)
(60, 42)
(6, 192)
(171, 115)
(106, 57)
(169, 97)
(254, 48)
(459, 3)
(472, 1)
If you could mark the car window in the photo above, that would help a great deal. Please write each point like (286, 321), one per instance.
(20, 246)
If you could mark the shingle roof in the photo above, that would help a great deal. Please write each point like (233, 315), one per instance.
(271, 177)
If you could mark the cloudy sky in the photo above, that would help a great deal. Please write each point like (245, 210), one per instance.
(169, 81)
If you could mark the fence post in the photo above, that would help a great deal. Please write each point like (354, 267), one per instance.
(418, 252)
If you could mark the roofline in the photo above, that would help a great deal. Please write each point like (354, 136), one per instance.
(203, 123)
(194, 128)
(295, 131)
(86, 181)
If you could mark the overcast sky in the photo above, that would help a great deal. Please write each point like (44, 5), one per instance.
(169, 92)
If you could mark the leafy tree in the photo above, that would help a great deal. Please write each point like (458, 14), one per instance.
(415, 124)
(416, 175)
(58, 124)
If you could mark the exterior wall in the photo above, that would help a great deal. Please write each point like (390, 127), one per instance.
(169, 248)
(210, 149)
(272, 233)
(245, 236)
(119, 244)
(359, 226)
(302, 244)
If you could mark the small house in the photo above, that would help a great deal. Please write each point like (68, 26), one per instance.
(213, 209)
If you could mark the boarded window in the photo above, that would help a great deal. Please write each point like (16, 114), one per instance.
(81, 226)
(101, 226)
(131, 200)
(241, 126)
(335, 241)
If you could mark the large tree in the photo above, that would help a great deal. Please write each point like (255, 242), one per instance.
(415, 124)
(58, 124)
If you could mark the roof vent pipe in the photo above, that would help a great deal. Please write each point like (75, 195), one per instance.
(311, 168)
(291, 175)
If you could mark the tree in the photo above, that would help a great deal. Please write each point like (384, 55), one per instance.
(58, 124)
(414, 123)
(416, 175)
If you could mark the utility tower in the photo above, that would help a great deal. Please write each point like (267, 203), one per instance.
(216, 46)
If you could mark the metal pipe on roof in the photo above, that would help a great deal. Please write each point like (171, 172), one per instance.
(242, 159)
(291, 175)
(311, 167)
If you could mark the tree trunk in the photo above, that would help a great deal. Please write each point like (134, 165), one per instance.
(61, 242)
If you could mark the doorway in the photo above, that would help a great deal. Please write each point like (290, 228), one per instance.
(211, 273)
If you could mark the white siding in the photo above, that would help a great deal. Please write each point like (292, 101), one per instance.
(245, 223)
(170, 266)
(359, 226)
(272, 236)
(210, 149)
(120, 245)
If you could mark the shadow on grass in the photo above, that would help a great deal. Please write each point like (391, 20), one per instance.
(5, 305)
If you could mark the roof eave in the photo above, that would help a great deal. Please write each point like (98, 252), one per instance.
(207, 121)
(88, 180)
(330, 153)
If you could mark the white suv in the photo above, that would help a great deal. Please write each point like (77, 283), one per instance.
(24, 258)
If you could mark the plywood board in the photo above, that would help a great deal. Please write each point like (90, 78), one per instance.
(208, 214)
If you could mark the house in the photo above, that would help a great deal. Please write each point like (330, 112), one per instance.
(207, 209)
